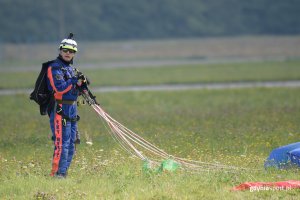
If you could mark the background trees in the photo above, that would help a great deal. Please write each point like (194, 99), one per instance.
(46, 21)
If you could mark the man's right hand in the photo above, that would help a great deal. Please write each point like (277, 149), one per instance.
(81, 76)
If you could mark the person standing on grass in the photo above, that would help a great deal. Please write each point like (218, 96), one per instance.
(62, 81)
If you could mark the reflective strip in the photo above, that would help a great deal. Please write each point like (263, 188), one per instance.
(57, 143)
(58, 95)
(67, 46)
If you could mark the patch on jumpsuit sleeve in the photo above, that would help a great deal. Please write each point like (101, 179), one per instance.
(59, 77)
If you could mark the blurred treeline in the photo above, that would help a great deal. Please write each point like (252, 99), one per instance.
(31, 21)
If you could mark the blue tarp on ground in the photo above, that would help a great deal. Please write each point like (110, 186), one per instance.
(284, 156)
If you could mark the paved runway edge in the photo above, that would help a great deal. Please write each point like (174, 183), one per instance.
(170, 87)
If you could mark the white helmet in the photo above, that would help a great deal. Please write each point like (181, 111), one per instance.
(68, 43)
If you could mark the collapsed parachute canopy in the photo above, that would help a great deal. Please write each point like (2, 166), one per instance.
(284, 157)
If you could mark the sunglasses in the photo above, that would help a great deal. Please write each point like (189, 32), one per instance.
(68, 50)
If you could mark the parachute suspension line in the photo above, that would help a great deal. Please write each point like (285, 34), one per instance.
(133, 137)
(142, 142)
(125, 136)
(118, 132)
(115, 136)
(130, 141)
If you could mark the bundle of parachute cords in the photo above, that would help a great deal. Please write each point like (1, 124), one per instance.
(152, 156)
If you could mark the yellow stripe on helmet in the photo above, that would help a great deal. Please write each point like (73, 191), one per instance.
(66, 46)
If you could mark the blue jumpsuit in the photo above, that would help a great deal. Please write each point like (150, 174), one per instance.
(61, 80)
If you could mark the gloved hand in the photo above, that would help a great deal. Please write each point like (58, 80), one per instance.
(87, 80)
(81, 76)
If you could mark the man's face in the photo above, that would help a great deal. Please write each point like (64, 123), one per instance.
(67, 54)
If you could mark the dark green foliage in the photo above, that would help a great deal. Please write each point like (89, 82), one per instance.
(36, 21)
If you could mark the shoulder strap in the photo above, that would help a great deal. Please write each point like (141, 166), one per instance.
(46, 64)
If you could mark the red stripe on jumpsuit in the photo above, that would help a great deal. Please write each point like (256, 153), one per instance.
(57, 125)
(57, 143)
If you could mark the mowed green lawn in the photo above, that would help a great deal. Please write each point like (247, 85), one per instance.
(187, 74)
(236, 127)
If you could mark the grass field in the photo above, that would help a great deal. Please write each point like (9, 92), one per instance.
(236, 127)
(189, 74)
(233, 127)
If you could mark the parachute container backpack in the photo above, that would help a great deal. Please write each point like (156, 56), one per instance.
(41, 95)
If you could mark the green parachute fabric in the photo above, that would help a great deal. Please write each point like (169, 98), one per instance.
(168, 165)
(148, 167)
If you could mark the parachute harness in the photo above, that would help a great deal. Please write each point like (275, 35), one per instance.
(132, 142)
